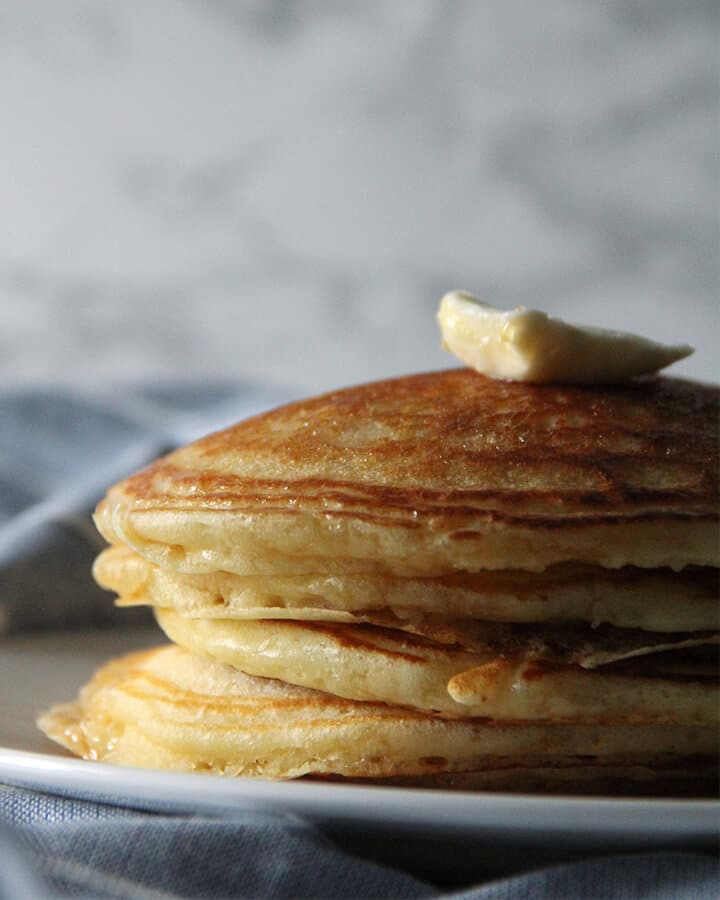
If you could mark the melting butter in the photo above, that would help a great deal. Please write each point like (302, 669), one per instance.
(528, 345)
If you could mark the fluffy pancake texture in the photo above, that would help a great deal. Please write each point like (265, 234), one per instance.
(431, 474)
(166, 708)
(375, 664)
(439, 580)
(652, 599)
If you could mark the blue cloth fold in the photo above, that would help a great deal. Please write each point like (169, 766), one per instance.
(62, 847)
(57, 455)
(83, 849)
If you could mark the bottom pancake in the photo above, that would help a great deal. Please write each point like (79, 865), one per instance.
(168, 709)
(698, 778)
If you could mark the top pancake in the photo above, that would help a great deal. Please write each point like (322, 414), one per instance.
(434, 473)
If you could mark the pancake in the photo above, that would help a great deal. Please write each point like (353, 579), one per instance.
(166, 708)
(697, 778)
(367, 663)
(537, 691)
(433, 474)
(652, 599)
(564, 644)
(440, 580)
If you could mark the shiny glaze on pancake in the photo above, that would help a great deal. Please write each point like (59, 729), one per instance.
(456, 444)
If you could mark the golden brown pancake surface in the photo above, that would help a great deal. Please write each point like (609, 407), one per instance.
(432, 473)
(506, 678)
(166, 708)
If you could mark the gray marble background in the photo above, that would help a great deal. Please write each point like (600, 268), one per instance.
(282, 189)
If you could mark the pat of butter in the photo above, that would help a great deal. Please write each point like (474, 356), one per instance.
(528, 345)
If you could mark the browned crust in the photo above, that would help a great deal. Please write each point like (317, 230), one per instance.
(458, 446)
(690, 777)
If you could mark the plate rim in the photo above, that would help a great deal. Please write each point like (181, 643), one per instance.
(649, 818)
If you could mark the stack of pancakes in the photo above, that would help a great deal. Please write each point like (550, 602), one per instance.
(439, 580)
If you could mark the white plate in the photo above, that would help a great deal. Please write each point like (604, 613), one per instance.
(40, 670)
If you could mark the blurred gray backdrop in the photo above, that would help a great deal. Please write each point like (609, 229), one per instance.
(282, 189)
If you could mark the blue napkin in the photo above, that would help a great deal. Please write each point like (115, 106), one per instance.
(58, 453)
(78, 849)
(70, 848)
